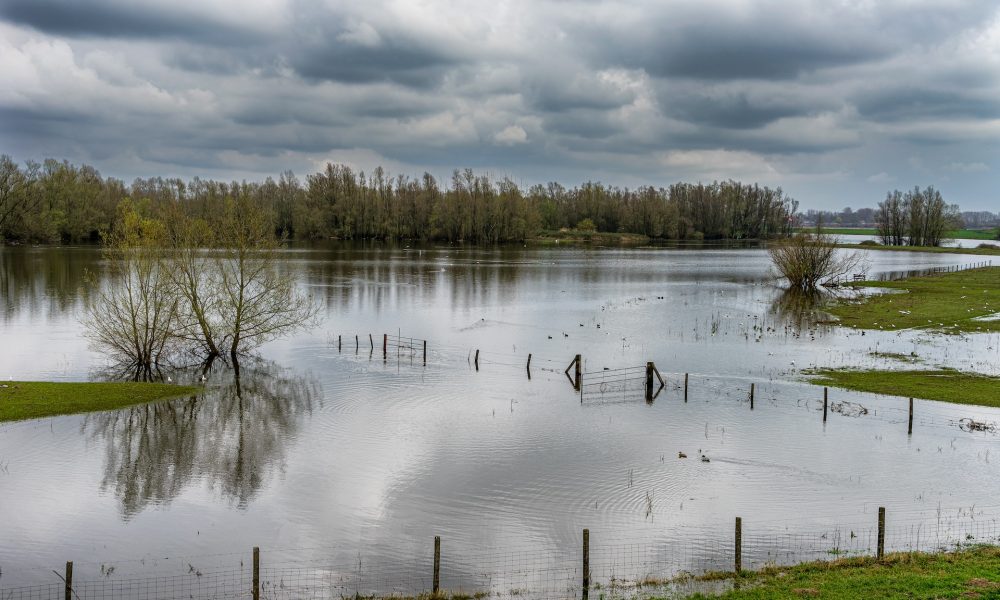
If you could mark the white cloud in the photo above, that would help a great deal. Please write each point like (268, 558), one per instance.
(880, 177)
(511, 135)
(973, 167)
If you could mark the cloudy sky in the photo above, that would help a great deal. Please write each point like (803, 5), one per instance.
(836, 101)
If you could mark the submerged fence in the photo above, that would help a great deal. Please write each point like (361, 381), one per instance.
(592, 564)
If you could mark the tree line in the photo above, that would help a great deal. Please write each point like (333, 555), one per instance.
(919, 217)
(55, 201)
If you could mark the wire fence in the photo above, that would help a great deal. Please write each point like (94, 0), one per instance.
(847, 280)
(629, 384)
(594, 561)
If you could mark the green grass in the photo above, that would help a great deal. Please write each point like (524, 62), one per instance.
(948, 302)
(34, 399)
(973, 573)
(957, 234)
(600, 238)
(930, 249)
(946, 385)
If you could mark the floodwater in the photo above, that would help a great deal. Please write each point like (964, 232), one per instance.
(343, 465)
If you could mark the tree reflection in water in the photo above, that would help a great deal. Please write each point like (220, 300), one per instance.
(799, 308)
(232, 435)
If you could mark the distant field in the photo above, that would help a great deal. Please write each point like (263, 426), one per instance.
(958, 234)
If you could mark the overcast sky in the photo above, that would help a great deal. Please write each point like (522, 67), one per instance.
(836, 102)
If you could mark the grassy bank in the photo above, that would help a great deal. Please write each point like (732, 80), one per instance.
(946, 385)
(955, 234)
(973, 573)
(950, 302)
(34, 399)
(597, 238)
(932, 249)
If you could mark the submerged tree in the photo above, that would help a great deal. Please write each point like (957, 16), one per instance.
(134, 316)
(178, 284)
(808, 260)
(258, 299)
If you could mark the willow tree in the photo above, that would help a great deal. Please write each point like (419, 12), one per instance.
(134, 314)
(258, 299)
(808, 260)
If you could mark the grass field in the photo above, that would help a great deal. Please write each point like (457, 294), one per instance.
(945, 385)
(958, 234)
(949, 302)
(34, 399)
(973, 573)
(932, 249)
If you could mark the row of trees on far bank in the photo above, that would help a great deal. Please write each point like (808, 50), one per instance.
(919, 217)
(61, 202)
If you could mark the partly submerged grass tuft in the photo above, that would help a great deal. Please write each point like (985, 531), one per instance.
(946, 385)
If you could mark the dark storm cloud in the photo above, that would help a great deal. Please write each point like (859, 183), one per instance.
(706, 52)
(731, 111)
(911, 102)
(134, 20)
(397, 61)
(803, 92)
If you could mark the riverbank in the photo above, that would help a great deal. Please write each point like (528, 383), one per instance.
(21, 400)
(958, 302)
(988, 250)
(955, 234)
(945, 385)
(972, 573)
(597, 238)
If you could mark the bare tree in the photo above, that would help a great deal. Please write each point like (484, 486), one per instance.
(809, 260)
(259, 301)
(192, 270)
(890, 220)
(133, 318)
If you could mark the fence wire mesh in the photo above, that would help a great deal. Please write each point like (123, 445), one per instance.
(620, 568)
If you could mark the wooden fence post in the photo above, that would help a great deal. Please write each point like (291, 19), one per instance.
(371, 341)
(357, 343)
(68, 580)
(751, 396)
(909, 427)
(528, 367)
(477, 359)
(437, 565)
(649, 382)
(739, 545)
(579, 371)
(880, 551)
(824, 403)
(425, 353)
(586, 562)
(256, 573)
(385, 346)
(338, 342)
(685, 387)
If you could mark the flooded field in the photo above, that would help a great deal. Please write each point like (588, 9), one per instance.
(342, 464)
